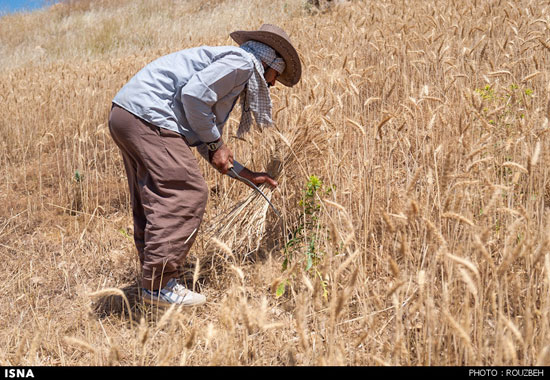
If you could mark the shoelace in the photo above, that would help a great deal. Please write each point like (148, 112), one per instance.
(180, 289)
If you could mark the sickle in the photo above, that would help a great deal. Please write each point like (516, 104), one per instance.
(233, 173)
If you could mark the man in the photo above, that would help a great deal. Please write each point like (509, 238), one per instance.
(179, 101)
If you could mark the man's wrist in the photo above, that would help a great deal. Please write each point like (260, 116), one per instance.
(214, 145)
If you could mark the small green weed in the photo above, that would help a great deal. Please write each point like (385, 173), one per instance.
(305, 236)
(302, 245)
(504, 107)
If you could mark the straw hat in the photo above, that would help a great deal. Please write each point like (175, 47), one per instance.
(276, 38)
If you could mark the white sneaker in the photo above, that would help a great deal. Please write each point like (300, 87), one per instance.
(172, 293)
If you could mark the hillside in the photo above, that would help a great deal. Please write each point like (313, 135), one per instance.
(413, 187)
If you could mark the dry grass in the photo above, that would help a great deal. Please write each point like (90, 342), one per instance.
(429, 236)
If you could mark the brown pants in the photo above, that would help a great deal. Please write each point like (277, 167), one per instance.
(168, 194)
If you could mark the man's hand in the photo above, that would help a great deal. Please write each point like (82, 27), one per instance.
(221, 159)
(258, 178)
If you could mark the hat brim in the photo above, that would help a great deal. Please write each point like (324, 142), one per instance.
(293, 70)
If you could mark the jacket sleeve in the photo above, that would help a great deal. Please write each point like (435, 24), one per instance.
(203, 90)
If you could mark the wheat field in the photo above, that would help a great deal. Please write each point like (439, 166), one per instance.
(413, 188)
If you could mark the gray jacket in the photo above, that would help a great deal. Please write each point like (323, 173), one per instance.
(191, 91)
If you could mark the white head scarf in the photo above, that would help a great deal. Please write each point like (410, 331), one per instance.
(255, 100)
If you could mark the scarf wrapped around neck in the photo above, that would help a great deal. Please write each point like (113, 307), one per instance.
(255, 100)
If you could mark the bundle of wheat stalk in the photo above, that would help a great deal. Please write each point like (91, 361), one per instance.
(244, 224)
(238, 232)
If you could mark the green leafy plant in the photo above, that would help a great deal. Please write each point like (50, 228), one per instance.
(486, 92)
(78, 177)
(311, 210)
(281, 288)
(304, 236)
(302, 245)
(504, 104)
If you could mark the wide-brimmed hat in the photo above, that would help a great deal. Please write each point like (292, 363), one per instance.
(276, 38)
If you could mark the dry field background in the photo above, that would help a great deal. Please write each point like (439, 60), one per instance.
(422, 239)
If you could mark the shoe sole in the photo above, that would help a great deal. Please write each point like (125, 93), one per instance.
(159, 303)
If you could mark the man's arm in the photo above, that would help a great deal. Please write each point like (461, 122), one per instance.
(199, 96)
(202, 92)
(206, 87)
(256, 177)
